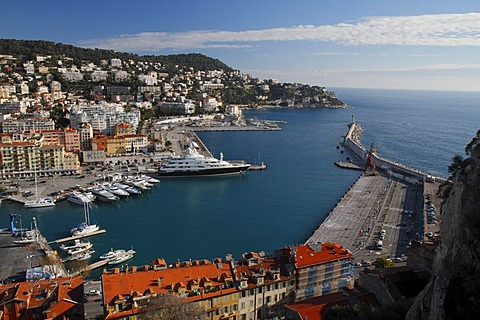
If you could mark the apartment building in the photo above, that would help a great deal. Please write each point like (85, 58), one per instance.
(68, 138)
(135, 142)
(85, 131)
(321, 269)
(210, 285)
(60, 298)
(23, 159)
(264, 289)
(22, 125)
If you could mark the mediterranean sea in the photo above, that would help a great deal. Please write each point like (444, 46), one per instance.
(205, 218)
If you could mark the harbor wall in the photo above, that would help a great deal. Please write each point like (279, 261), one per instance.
(352, 144)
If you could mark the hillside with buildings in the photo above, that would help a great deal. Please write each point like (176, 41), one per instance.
(62, 105)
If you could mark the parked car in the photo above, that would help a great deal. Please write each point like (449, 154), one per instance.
(94, 293)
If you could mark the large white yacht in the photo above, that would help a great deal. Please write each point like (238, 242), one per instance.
(195, 164)
(81, 198)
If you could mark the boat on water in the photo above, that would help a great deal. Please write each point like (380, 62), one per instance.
(78, 250)
(112, 254)
(194, 164)
(39, 202)
(121, 258)
(104, 195)
(148, 179)
(77, 244)
(129, 189)
(140, 184)
(115, 190)
(81, 198)
(85, 227)
(84, 255)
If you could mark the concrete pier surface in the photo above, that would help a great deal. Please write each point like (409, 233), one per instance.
(374, 203)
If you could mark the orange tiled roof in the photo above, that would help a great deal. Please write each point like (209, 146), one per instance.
(160, 281)
(305, 255)
(35, 294)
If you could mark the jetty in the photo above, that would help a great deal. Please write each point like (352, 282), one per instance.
(100, 263)
(387, 199)
(72, 238)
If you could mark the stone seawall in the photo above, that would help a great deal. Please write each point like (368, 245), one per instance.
(353, 144)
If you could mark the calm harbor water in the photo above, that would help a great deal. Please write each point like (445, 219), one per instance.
(196, 218)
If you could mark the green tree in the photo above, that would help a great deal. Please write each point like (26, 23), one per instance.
(383, 263)
(475, 141)
(457, 163)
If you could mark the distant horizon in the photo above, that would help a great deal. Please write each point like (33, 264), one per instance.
(431, 45)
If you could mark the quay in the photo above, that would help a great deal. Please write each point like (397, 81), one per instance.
(72, 238)
(388, 199)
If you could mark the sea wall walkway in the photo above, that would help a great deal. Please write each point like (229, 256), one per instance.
(353, 144)
(372, 204)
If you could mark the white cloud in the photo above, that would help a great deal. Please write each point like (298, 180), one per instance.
(431, 30)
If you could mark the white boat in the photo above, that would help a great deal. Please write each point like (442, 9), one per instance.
(104, 195)
(142, 185)
(121, 258)
(85, 227)
(115, 190)
(129, 189)
(78, 250)
(39, 202)
(77, 244)
(84, 255)
(149, 179)
(112, 254)
(81, 198)
(195, 164)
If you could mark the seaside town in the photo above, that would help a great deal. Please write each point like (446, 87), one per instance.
(77, 130)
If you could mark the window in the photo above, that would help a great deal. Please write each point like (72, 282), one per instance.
(225, 298)
(242, 305)
(251, 303)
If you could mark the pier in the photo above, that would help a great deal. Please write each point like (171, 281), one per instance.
(72, 238)
(389, 200)
(100, 263)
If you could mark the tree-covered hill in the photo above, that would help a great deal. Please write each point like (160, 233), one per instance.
(28, 49)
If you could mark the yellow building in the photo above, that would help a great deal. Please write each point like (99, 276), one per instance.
(23, 159)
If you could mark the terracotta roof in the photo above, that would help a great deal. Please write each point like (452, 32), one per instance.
(61, 293)
(160, 281)
(305, 255)
(313, 309)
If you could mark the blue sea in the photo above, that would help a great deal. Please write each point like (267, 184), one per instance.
(197, 218)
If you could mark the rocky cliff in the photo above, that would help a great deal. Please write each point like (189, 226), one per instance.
(454, 290)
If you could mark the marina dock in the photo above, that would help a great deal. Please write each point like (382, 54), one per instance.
(100, 263)
(72, 238)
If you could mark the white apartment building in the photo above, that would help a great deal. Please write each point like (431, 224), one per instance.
(115, 62)
(85, 130)
(97, 76)
(103, 116)
(21, 125)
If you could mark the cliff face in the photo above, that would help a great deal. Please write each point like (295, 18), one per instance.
(454, 290)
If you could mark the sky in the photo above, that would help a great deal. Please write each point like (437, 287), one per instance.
(391, 44)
